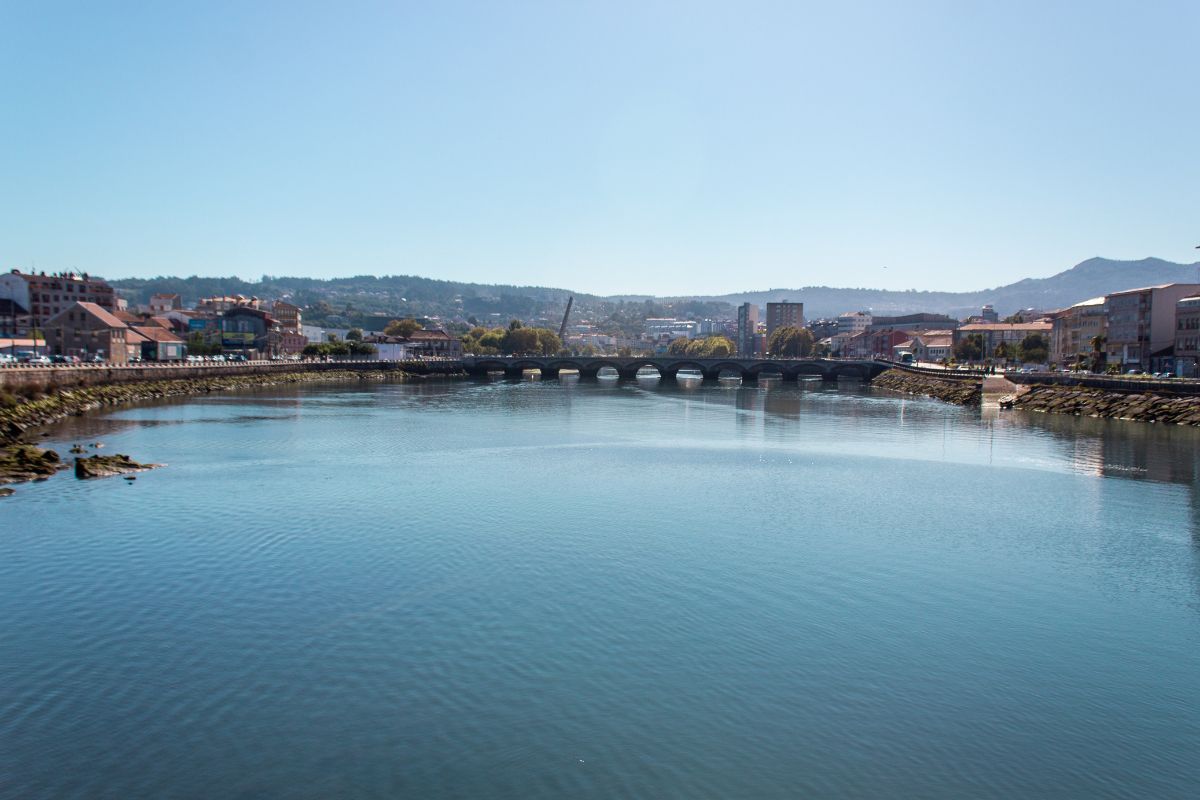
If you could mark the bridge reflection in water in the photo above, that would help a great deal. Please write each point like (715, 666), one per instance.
(749, 369)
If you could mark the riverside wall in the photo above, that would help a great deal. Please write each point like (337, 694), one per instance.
(960, 390)
(31, 398)
(1178, 408)
(1171, 402)
(17, 378)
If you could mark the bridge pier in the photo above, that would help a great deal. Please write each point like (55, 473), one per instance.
(750, 370)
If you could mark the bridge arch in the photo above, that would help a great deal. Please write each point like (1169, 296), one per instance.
(769, 367)
(592, 368)
(808, 368)
(634, 365)
(484, 366)
(555, 365)
(670, 369)
(519, 366)
(728, 366)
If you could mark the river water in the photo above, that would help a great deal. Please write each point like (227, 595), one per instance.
(591, 589)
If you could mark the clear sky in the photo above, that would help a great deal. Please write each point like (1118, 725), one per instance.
(641, 147)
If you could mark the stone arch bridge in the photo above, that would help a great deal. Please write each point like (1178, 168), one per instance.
(748, 369)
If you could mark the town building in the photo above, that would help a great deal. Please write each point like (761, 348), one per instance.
(87, 330)
(219, 305)
(853, 322)
(1029, 315)
(784, 315)
(1141, 325)
(14, 317)
(822, 328)
(929, 346)
(1187, 337)
(134, 342)
(429, 343)
(1073, 329)
(44, 296)
(747, 329)
(913, 322)
(988, 314)
(436, 342)
(880, 343)
(292, 339)
(658, 327)
(248, 329)
(160, 344)
(162, 303)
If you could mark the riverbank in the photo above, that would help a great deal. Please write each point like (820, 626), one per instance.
(950, 390)
(1083, 401)
(1075, 400)
(35, 406)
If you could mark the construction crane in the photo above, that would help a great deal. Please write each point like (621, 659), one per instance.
(562, 329)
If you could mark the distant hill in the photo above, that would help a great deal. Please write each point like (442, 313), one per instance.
(406, 295)
(1091, 278)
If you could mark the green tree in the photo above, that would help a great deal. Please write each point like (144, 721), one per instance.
(1033, 349)
(1099, 354)
(719, 347)
(548, 342)
(354, 335)
(678, 347)
(493, 340)
(969, 347)
(520, 341)
(403, 328)
(790, 342)
(1002, 352)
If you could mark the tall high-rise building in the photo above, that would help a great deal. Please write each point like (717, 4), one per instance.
(747, 327)
(783, 315)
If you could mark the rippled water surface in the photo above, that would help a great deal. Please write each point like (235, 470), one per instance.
(574, 589)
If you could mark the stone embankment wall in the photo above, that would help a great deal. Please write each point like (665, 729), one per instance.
(34, 403)
(961, 391)
(15, 378)
(1182, 409)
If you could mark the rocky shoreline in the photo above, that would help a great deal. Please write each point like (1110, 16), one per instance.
(36, 407)
(949, 390)
(1082, 401)
(1078, 401)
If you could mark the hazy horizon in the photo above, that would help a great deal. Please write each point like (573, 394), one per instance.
(614, 149)
(667, 295)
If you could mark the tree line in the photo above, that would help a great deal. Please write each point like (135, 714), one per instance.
(516, 339)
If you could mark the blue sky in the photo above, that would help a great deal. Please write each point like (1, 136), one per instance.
(657, 147)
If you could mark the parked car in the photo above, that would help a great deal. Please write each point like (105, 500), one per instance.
(32, 359)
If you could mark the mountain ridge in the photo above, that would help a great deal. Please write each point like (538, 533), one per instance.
(420, 296)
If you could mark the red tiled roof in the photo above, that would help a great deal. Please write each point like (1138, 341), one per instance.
(157, 334)
(433, 334)
(96, 311)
